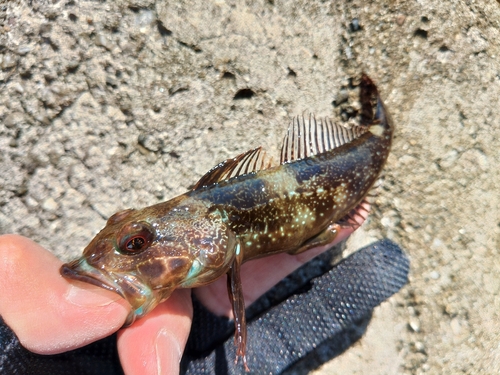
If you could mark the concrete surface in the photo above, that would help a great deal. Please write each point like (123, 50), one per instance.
(113, 104)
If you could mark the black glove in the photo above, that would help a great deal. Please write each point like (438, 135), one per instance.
(98, 358)
(327, 313)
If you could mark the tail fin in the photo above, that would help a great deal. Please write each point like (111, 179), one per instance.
(379, 123)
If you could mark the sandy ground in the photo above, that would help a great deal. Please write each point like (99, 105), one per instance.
(106, 105)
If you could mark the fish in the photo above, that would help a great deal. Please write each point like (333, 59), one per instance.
(244, 208)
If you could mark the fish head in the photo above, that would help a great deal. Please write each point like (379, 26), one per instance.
(144, 255)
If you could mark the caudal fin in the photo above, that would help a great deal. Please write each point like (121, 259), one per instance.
(379, 123)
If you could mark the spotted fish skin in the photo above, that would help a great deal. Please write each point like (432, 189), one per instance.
(279, 209)
(244, 208)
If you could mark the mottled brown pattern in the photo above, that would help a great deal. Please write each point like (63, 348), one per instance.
(193, 239)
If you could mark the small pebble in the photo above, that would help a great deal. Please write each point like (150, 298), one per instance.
(419, 346)
(341, 97)
(23, 50)
(355, 25)
(50, 204)
(13, 119)
(456, 327)
(31, 202)
(435, 275)
(18, 87)
(9, 61)
(348, 52)
(72, 64)
(415, 324)
(45, 30)
(103, 41)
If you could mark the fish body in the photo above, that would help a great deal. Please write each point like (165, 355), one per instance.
(280, 209)
(244, 208)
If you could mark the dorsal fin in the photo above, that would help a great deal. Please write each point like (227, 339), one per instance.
(251, 161)
(311, 137)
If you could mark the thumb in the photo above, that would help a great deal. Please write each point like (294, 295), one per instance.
(48, 314)
(154, 344)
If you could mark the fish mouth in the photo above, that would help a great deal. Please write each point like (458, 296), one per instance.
(137, 293)
(81, 271)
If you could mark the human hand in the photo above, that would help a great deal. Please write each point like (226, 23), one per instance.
(51, 315)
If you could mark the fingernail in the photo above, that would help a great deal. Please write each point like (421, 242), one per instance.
(90, 296)
(168, 353)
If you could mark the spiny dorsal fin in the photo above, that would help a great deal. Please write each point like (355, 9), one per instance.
(311, 137)
(251, 161)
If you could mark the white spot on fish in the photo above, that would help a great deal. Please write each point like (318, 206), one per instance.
(238, 249)
(376, 130)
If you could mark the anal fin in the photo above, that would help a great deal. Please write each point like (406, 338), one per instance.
(354, 218)
(323, 238)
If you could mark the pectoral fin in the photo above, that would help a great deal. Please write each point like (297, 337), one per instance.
(235, 291)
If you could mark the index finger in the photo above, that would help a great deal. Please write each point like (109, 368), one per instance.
(48, 314)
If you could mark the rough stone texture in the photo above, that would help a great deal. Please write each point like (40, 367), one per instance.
(113, 104)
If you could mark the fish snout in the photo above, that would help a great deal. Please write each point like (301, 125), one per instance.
(80, 270)
(138, 294)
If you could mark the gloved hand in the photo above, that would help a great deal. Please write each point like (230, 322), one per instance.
(325, 311)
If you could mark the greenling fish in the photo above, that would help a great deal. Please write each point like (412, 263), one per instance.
(242, 209)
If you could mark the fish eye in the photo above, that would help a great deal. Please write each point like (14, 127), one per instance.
(135, 238)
